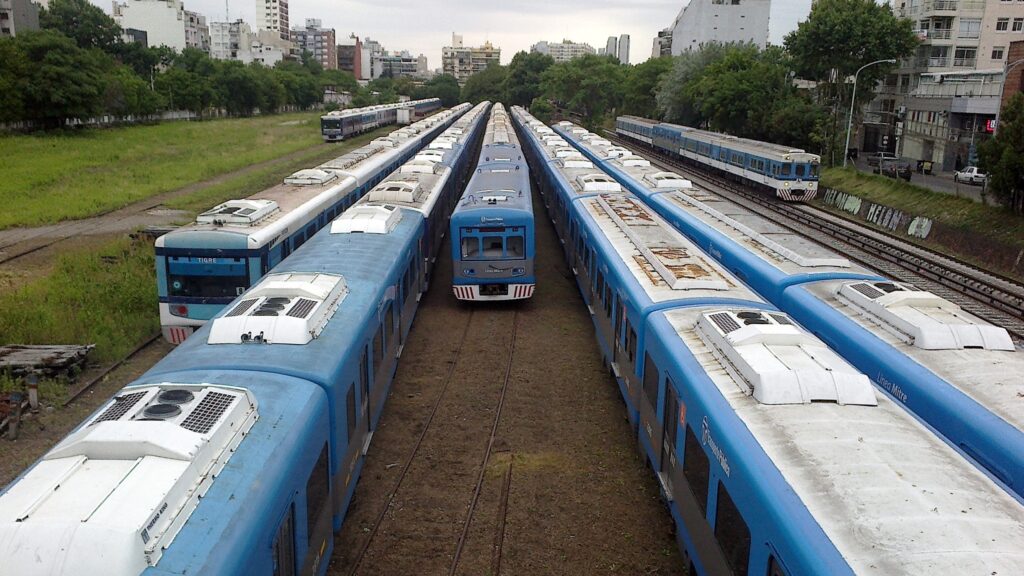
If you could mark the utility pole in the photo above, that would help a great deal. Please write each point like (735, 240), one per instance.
(853, 98)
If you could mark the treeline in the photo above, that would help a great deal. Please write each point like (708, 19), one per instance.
(794, 94)
(78, 66)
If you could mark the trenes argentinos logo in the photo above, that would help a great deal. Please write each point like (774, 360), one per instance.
(708, 440)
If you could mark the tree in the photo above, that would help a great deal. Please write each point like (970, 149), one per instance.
(60, 79)
(83, 22)
(299, 82)
(488, 84)
(673, 102)
(642, 86)
(1002, 157)
(13, 72)
(126, 94)
(443, 86)
(339, 80)
(522, 83)
(591, 86)
(542, 110)
(842, 36)
(186, 90)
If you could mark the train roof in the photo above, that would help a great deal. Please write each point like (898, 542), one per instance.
(664, 264)
(777, 246)
(979, 359)
(367, 109)
(496, 187)
(891, 496)
(115, 493)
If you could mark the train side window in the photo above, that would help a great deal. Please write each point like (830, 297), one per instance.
(732, 533)
(389, 324)
(696, 469)
(318, 492)
(607, 300)
(283, 551)
(364, 375)
(774, 568)
(651, 380)
(631, 345)
(378, 346)
(350, 400)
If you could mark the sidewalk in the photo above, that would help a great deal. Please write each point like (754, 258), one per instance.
(941, 182)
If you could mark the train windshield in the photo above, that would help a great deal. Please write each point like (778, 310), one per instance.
(330, 123)
(812, 169)
(194, 277)
(493, 243)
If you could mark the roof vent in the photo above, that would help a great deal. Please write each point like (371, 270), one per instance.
(429, 156)
(544, 130)
(290, 309)
(598, 183)
(662, 180)
(923, 319)
(778, 363)
(634, 162)
(442, 143)
(362, 218)
(418, 167)
(578, 130)
(617, 152)
(660, 258)
(312, 176)
(383, 142)
(394, 191)
(578, 163)
(238, 213)
(566, 152)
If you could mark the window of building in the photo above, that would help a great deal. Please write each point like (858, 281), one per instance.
(696, 469)
(732, 533)
(970, 28)
(1002, 24)
(997, 52)
(1018, 24)
(964, 56)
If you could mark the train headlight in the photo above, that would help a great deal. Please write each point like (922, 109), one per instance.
(179, 310)
(469, 271)
(518, 271)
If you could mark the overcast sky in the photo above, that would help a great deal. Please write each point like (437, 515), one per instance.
(424, 27)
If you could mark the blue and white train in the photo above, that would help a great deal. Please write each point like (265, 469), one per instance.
(774, 455)
(492, 227)
(341, 124)
(955, 371)
(786, 172)
(202, 267)
(238, 453)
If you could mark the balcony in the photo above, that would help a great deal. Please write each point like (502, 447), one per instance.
(939, 34)
(965, 62)
(937, 62)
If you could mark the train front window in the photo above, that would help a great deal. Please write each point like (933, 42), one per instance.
(514, 247)
(470, 247)
(188, 286)
(813, 170)
(493, 247)
(787, 169)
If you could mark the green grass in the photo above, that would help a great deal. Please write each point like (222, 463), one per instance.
(53, 177)
(105, 297)
(267, 176)
(993, 222)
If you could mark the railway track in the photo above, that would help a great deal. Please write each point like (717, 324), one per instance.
(432, 424)
(995, 298)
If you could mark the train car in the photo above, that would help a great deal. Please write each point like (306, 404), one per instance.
(238, 453)
(203, 266)
(950, 368)
(341, 124)
(492, 227)
(785, 172)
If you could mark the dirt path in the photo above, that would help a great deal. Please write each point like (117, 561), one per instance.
(146, 212)
(578, 499)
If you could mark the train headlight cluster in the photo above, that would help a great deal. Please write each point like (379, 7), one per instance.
(179, 310)
(518, 271)
(469, 271)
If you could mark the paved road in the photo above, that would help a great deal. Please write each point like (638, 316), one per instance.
(938, 182)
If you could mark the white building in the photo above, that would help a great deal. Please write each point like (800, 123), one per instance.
(611, 47)
(371, 49)
(18, 16)
(462, 61)
(166, 23)
(623, 52)
(704, 21)
(562, 51)
(231, 41)
(662, 44)
(273, 15)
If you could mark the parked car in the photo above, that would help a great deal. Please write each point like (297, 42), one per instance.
(876, 157)
(895, 168)
(970, 175)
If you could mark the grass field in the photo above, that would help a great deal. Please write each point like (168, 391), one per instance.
(104, 296)
(53, 177)
(990, 221)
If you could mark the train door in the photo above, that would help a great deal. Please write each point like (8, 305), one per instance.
(670, 420)
(364, 393)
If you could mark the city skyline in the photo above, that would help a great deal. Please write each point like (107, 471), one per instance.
(511, 29)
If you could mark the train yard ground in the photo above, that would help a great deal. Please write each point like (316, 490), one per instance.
(563, 490)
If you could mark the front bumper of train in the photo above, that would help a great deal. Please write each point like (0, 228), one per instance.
(490, 292)
(175, 328)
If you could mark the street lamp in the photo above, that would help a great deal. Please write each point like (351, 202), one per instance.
(853, 98)
(999, 108)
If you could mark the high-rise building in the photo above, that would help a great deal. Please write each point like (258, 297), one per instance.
(273, 15)
(704, 21)
(370, 49)
(611, 47)
(197, 33)
(662, 44)
(623, 52)
(462, 62)
(562, 51)
(940, 103)
(350, 57)
(318, 41)
(164, 21)
(18, 16)
(231, 41)
(394, 65)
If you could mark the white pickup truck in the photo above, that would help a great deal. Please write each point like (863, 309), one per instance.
(970, 175)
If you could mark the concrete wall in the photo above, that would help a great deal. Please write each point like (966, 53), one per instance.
(704, 21)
